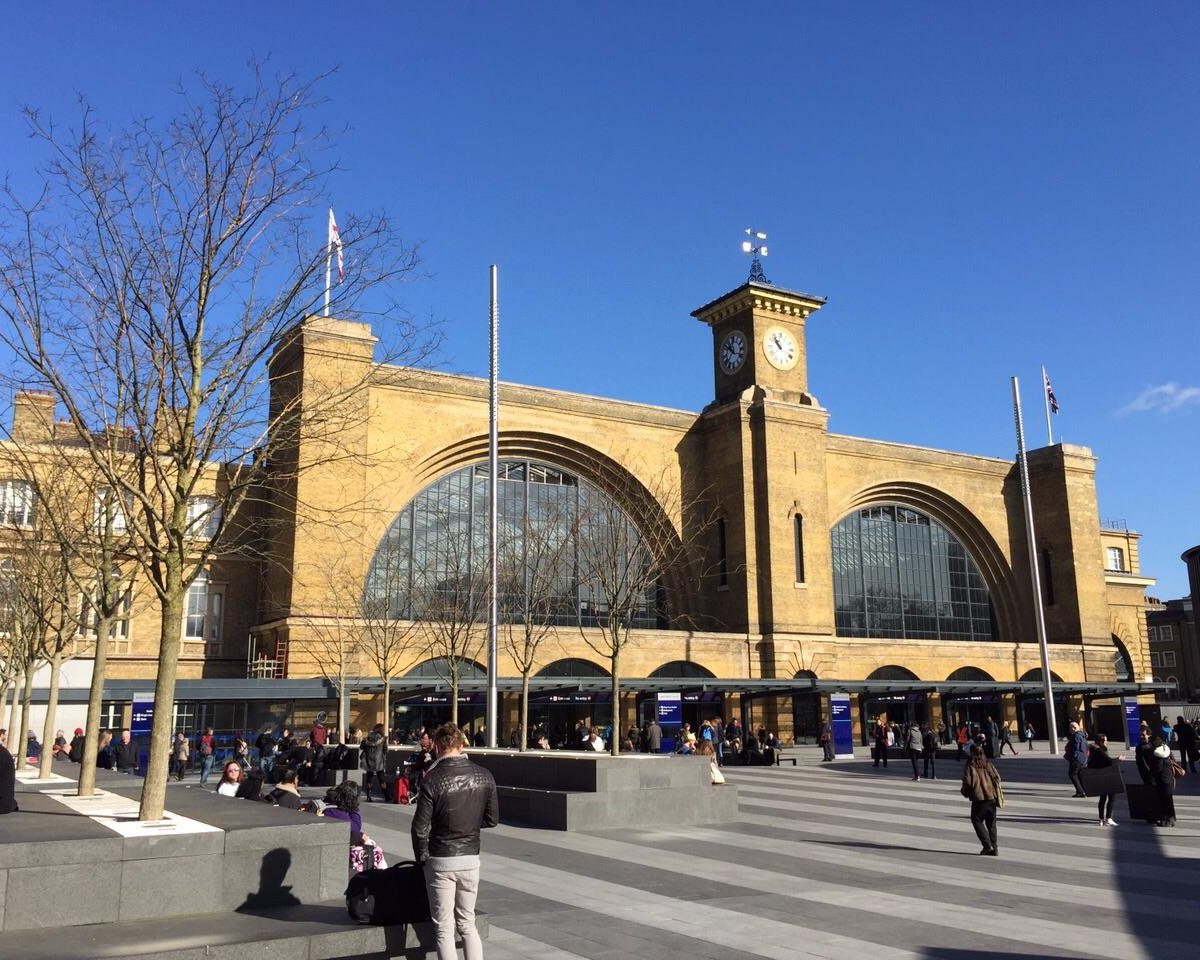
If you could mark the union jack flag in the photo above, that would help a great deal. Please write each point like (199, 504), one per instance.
(1050, 397)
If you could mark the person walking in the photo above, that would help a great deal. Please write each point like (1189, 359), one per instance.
(1028, 736)
(1162, 776)
(1098, 759)
(457, 799)
(992, 729)
(126, 755)
(654, 735)
(374, 758)
(929, 749)
(1006, 739)
(826, 738)
(1076, 756)
(179, 756)
(981, 785)
(266, 744)
(914, 743)
(1185, 739)
(881, 743)
(961, 738)
(207, 750)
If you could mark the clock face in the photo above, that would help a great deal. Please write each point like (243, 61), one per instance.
(733, 351)
(781, 349)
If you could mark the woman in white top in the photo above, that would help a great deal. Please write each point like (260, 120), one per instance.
(230, 779)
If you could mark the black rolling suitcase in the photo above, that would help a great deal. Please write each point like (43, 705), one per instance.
(1143, 805)
(387, 897)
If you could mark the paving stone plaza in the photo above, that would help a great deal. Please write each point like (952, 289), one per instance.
(842, 861)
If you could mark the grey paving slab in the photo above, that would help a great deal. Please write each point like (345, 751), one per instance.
(838, 861)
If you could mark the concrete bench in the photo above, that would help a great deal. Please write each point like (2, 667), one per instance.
(321, 931)
(781, 758)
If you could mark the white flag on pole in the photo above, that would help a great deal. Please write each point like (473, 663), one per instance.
(335, 242)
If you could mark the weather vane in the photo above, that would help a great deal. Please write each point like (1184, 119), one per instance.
(756, 247)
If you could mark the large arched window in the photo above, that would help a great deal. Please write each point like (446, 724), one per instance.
(899, 573)
(556, 532)
(683, 669)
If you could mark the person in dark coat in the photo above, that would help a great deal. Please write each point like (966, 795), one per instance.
(1098, 759)
(929, 749)
(1076, 755)
(654, 735)
(881, 745)
(125, 754)
(8, 777)
(826, 741)
(374, 759)
(1185, 737)
(1162, 775)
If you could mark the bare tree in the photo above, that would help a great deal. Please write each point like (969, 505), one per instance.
(389, 633)
(627, 547)
(450, 598)
(331, 640)
(148, 286)
(536, 561)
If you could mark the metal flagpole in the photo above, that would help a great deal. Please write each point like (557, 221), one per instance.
(1031, 540)
(1046, 401)
(328, 259)
(493, 503)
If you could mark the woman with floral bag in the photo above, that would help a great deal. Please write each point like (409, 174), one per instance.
(342, 804)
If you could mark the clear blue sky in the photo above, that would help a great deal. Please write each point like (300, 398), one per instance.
(977, 190)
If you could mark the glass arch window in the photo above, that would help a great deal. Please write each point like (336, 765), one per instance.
(432, 562)
(899, 573)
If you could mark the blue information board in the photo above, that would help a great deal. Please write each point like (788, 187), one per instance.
(1133, 721)
(842, 722)
(670, 709)
(142, 718)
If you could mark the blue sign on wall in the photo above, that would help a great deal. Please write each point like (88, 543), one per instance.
(1133, 722)
(670, 709)
(842, 722)
(142, 715)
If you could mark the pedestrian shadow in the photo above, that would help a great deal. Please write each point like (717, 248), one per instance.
(272, 893)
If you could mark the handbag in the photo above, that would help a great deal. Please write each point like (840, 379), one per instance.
(366, 857)
(1178, 769)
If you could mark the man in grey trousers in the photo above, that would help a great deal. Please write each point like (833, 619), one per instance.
(457, 799)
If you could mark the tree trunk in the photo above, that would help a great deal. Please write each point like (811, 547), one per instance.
(343, 711)
(154, 790)
(614, 746)
(454, 698)
(22, 733)
(47, 764)
(387, 706)
(91, 727)
(18, 748)
(523, 744)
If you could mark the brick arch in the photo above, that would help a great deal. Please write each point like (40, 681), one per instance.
(960, 521)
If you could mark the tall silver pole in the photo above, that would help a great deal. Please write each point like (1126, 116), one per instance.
(1046, 401)
(493, 502)
(1031, 540)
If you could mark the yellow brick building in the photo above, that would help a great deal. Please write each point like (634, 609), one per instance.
(819, 555)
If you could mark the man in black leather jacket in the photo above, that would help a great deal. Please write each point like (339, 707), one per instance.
(457, 798)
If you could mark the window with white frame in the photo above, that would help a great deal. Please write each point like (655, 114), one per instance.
(118, 628)
(109, 512)
(203, 517)
(202, 615)
(1166, 633)
(1115, 559)
(1152, 632)
(16, 503)
(1168, 658)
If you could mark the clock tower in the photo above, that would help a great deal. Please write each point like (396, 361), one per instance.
(758, 340)
(763, 442)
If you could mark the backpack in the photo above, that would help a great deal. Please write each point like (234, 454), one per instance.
(388, 897)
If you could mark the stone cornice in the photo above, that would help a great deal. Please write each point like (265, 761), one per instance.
(761, 299)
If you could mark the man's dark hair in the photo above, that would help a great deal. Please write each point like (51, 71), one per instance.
(448, 737)
(287, 775)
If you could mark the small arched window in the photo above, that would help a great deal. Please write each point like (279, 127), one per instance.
(798, 537)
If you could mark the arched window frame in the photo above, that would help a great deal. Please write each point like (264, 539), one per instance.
(202, 614)
(939, 594)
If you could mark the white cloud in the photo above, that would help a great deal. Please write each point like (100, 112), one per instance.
(1165, 398)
